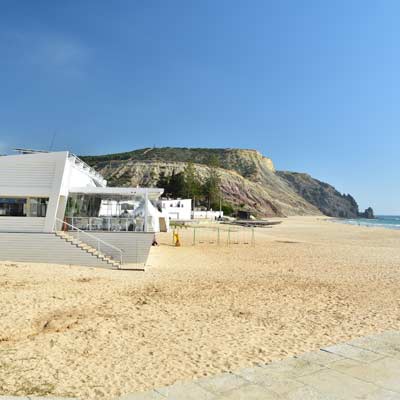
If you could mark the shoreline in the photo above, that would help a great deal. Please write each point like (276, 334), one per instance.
(365, 222)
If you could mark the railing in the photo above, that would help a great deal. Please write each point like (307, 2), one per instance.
(110, 224)
(98, 241)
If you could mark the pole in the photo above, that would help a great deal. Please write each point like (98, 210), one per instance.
(146, 210)
(194, 236)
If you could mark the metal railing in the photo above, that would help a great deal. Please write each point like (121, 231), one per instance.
(110, 224)
(222, 236)
(98, 241)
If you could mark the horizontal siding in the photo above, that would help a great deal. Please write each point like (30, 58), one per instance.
(26, 173)
(135, 245)
(21, 224)
(44, 248)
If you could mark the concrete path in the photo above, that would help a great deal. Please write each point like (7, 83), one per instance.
(367, 368)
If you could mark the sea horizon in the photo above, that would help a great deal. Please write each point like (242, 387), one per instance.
(382, 221)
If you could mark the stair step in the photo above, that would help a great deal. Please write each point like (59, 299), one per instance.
(87, 248)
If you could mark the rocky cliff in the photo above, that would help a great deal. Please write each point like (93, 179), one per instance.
(248, 179)
(322, 195)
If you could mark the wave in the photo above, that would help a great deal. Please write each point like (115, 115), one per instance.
(389, 222)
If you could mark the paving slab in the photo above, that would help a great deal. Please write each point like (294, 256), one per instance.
(377, 346)
(333, 383)
(250, 392)
(221, 383)
(320, 357)
(354, 353)
(186, 391)
(392, 337)
(152, 395)
(384, 373)
(382, 394)
(344, 364)
(308, 393)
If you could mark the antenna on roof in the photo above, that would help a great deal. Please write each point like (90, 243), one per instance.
(52, 141)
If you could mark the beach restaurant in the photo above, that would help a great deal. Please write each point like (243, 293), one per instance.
(59, 195)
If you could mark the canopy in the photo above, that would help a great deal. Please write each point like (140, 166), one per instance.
(153, 215)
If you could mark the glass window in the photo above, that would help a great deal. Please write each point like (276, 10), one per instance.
(23, 207)
(38, 207)
(12, 207)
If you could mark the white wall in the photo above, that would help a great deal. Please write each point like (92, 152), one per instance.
(22, 224)
(177, 209)
(32, 175)
(41, 175)
(27, 175)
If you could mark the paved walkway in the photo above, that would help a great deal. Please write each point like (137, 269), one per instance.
(367, 368)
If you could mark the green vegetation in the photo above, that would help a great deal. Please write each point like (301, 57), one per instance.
(187, 184)
(211, 188)
(166, 154)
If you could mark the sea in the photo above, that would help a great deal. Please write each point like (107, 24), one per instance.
(382, 221)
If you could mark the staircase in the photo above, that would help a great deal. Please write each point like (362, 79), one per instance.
(87, 248)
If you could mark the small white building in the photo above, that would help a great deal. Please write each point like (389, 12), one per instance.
(179, 209)
(210, 215)
(53, 192)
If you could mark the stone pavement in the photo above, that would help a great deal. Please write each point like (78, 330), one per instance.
(366, 368)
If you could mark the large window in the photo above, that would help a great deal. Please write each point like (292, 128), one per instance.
(12, 207)
(23, 207)
(37, 207)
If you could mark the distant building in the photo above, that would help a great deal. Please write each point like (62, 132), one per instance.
(179, 209)
(210, 215)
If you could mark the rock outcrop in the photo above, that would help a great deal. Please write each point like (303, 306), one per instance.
(248, 180)
(368, 213)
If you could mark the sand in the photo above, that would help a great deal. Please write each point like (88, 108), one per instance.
(96, 334)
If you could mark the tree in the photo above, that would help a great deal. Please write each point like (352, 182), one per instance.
(176, 185)
(212, 183)
(163, 183)
(192, 186)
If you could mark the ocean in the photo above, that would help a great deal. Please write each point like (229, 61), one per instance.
(383, 221)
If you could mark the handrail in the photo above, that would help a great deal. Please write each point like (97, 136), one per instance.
(92, 236)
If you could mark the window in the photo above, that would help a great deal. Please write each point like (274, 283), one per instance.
(37, 207)
(12, 207)
(23, 207)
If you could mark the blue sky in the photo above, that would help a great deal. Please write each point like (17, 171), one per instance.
(312, 84)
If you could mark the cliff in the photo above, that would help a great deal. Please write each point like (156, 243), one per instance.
(248, 179)
(322, 195)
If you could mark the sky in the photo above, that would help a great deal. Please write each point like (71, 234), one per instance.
(314, 85)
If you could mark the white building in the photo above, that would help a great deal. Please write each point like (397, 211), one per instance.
(210, 215)
(180, 209)
(49, 193)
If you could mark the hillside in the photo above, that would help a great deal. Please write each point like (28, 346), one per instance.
(324, 196)
(248, 179)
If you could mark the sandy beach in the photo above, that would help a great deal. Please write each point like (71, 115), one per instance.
(96, 334)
